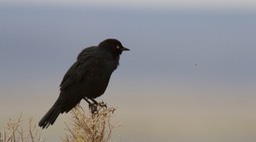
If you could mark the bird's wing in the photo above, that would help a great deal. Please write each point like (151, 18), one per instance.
(85, 61)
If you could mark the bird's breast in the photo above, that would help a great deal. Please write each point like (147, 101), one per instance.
(98, 79)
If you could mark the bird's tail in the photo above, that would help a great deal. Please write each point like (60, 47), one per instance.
(50, 117)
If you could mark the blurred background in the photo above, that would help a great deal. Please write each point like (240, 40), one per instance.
(190, 74)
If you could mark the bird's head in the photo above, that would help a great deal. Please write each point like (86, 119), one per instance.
(114, 46)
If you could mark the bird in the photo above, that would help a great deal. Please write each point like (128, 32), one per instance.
(86, 79)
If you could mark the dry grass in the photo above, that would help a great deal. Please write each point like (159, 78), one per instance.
(90, 128)
(14, 132)
(83, 127)
(87, 127)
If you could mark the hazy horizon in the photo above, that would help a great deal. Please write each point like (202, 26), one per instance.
(190, 74)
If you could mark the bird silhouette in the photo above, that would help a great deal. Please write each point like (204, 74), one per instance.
(86, 79)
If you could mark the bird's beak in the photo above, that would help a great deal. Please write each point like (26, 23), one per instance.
(125, 49)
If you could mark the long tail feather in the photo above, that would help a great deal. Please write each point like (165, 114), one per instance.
(51, 116)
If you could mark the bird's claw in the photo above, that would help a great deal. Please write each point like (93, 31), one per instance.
(95, 107)
(102, 105)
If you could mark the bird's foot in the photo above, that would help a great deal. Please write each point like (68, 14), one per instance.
(102, 104)
(95, 107)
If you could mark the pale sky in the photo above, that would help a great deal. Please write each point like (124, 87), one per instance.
(219, 4)
(190, 76)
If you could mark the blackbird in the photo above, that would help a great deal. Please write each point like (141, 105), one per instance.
(86, 79)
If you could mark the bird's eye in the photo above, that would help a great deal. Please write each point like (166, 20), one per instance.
(117, 47)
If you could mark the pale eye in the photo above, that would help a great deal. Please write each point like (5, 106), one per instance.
(117, 47)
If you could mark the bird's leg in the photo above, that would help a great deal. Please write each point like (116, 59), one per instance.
(92, 106)
(87, 100)
(101, 104)
(94, 101)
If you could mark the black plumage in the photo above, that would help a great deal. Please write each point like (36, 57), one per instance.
(87, 78)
